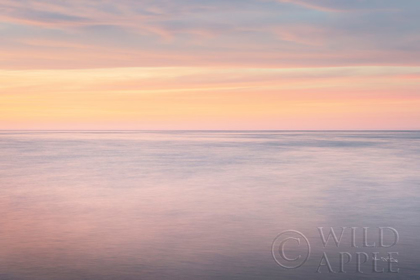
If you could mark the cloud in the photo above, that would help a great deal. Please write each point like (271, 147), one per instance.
(47, 19)
(353, 5)
(242, 33)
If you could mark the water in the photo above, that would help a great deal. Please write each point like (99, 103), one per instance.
(203, 205)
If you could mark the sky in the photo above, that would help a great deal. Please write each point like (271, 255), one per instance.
(210, 64)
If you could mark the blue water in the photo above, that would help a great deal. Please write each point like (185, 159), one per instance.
(204, 205)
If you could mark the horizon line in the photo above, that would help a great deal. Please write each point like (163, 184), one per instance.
(209, 130)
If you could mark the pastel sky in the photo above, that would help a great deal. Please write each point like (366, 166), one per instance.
(209, 64)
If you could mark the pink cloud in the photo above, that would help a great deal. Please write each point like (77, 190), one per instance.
(82, 34)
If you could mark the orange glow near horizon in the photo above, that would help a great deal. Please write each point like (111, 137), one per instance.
(211, 98)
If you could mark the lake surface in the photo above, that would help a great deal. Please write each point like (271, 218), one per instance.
(206, 205)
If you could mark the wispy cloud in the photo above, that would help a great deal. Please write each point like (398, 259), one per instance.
(252, 33)
(352, 5)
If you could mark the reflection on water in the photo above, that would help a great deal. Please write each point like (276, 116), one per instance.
(198, 205)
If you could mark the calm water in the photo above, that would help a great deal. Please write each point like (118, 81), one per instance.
(203, 205)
